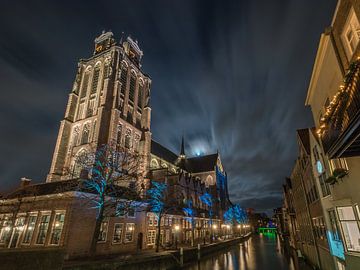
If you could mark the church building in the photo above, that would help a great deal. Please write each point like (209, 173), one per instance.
(109, 105)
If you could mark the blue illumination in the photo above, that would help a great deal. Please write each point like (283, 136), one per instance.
(319, 167)
(156, 196)
(336, 246)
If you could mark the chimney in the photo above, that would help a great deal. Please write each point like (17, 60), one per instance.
(25, 182)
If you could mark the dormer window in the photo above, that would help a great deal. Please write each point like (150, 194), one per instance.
(350, 34)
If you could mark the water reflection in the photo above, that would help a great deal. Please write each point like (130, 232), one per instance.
(259, 252)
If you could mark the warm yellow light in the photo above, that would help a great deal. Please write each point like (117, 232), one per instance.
(214, 226)
(177, 227)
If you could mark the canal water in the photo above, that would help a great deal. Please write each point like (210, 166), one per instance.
(259, 252)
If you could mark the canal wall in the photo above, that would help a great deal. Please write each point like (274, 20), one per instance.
(163, 260)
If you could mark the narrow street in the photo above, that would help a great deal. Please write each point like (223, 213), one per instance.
(259, 252)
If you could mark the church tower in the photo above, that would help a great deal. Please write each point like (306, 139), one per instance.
(109, 102)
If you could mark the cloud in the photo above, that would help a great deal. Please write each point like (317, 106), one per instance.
(232, 76)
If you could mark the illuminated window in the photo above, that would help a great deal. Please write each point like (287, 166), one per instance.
(118, 229)
(350, 34)
(103, 231)
(151, 237)
(30, 229)
(129, 232)
(350, 227)
(43, 228)
(57, 228)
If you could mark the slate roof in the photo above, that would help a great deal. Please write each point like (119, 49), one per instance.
(201, 164)
(192, 165)
(304, 138)
(162, 152)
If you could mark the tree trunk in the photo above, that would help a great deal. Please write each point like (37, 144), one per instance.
(96, 233)
(158, 234)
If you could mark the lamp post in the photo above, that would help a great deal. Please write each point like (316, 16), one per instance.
(239, 227)
(177, 228)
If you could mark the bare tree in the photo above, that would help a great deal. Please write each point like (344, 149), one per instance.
(111, 180)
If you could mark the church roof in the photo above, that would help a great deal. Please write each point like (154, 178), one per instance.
(162, 152)
(201, 164)
(193, 165)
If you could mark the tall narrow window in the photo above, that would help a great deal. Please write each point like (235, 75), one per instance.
(85, 135)
(95, 80)
(85, 85)
(140, 95)
(81, 110)
(118, 229)
(123, 80)
(151, 236)
(91, 107)
(129, 232)
(132, 88)
(30, 229)
(43, 228)
(94, 131)
(118, 135)
(325, 189)
(57, 228)
(103, 231)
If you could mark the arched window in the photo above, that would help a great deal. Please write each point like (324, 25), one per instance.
(78, 165)
(123, 80)
(75, 139)
(154, 163)
(128, 139)
(85, 84)
(140, 95)
(209, 181)
(118, 135)
(132, 87)
(95, 80)
(85, 135)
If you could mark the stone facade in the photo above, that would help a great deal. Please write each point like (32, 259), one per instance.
(109, 105)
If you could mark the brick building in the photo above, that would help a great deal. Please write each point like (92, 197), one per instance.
(109, 105)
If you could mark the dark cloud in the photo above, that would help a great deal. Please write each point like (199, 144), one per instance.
(230, 75)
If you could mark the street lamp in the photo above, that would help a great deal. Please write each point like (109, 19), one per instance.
(177, 228)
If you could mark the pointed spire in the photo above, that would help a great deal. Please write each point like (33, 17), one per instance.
(182, 150)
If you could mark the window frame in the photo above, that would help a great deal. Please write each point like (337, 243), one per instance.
(130, 225)
(356, 220)
(32, 214)
(42, 214)
(121, 234)
(57, 212)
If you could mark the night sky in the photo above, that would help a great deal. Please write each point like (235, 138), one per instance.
(230, 75)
